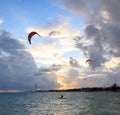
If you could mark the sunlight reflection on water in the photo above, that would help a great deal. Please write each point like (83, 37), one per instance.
(49, 103)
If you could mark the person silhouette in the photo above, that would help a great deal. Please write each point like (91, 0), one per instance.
(61, 97)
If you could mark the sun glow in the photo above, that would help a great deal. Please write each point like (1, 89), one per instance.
(60, 79)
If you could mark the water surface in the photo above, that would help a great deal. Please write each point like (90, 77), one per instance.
(49, 103)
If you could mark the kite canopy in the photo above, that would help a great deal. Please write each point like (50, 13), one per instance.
(30, 36)
(88, 60)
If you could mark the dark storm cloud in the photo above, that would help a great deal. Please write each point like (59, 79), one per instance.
(91, 31)
(47, 81)
(113, 7)
(17, 67)
(96, 54)
(16, 71)
(108, 33)
(112, 34)
(111, 30)
(105, 39)
(8, 44)
(95, 50)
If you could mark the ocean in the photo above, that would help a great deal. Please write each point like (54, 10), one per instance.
(49, 103)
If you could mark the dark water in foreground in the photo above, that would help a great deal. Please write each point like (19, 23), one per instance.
(48, 103)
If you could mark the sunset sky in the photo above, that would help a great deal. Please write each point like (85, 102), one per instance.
(71, 31)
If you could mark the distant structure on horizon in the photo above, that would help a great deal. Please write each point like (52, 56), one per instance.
(35, 87)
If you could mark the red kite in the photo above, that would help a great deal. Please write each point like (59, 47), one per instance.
(30, 36)
(88, 60)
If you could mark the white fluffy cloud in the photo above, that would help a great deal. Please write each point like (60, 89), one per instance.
(56, 40)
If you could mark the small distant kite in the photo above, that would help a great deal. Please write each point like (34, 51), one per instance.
(32, 34)
(88, 60)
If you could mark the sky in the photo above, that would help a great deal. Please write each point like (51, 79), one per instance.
(71, 31)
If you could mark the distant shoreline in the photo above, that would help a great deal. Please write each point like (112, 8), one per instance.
(75, 91)
(113, 88)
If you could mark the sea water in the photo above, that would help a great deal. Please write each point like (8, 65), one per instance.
(49, 103)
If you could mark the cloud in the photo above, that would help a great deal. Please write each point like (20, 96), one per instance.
(100, 41)
(61, 28)
(103, 37)
(112, 38)
(78, 7)
(47, 81)
(56, 39)
(109, 32)
(113, 76)
(53, 33)
(74, 63)
(112, 7)
(52, 68)
(91, 31)
(69, 79)
(114, 62)
(17, 67)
